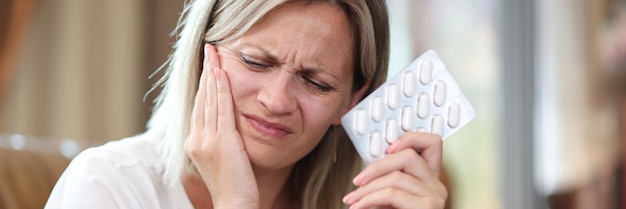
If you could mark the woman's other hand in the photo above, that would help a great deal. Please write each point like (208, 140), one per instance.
(214, 143)
(408, 177)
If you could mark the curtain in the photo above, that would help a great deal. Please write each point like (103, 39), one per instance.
(14, 17)
(82, 72)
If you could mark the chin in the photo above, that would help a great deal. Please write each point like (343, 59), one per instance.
(263, 156)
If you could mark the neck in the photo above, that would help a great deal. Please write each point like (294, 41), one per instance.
(271, 185)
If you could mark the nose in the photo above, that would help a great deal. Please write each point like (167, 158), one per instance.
(276, 95)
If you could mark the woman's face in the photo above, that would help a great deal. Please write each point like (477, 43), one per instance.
(291, 78)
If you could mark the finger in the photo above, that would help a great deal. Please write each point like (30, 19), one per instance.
(396, 179)
(199, 107)
(428, 145)
(398, 199)
(210, 107)
(197, 115)
(225, 112)
(406, 160)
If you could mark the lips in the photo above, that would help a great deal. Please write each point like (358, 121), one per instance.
(266, 128)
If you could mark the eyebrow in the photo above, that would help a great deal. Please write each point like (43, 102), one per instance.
(273, 58)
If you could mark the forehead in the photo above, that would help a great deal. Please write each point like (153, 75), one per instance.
(299, 33)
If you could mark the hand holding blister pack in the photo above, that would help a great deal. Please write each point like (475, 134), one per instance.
(422, 97)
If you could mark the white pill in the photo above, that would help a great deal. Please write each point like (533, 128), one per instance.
(360, 120)
(454, 115)
(423, 130)
(393, 96)
(408, 84)
(376, 144)
(391, 131)
(440, 93)
(426, 71)
(378, 108)
(423, 106)
(437, 125)
(407, 118)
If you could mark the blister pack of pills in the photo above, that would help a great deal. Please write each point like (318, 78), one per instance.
(422, 97)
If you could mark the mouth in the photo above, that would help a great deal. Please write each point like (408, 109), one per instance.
(266, 128)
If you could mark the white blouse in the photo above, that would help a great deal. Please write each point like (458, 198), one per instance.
(119, 174)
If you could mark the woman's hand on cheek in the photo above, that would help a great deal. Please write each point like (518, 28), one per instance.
(405, 178)
(214, 143)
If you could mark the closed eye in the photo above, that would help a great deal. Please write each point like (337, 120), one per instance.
(253, 62)
(315, 84)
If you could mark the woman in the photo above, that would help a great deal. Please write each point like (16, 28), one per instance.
(249, 117)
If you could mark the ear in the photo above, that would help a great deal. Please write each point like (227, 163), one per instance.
(354, 99)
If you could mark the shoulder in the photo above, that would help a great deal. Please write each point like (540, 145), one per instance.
(129, 153)
(117, 161)
(124, 173)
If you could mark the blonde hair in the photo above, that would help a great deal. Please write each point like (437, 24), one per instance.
(322, 177)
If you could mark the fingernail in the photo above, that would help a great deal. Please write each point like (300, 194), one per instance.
(392, 148)
(358, 179)
(348, 198)
(218, 74)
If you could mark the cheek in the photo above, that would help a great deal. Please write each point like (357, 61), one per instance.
(317, 118)
(241, 84)
(319, 114)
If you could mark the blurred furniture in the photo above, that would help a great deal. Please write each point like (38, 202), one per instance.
(27, 177)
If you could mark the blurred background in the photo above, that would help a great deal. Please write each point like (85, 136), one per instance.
(546, 78)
